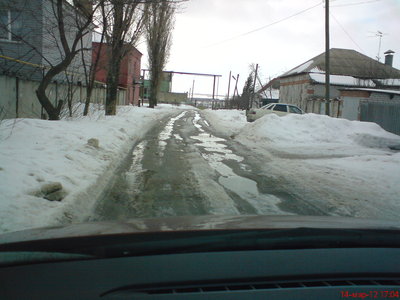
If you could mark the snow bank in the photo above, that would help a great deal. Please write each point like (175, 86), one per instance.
(343, 167)
(226, 122)
(312, 134)
(35, 152)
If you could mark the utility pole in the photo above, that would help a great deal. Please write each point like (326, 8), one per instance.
(254, 87)
(327, 68)
(192, 94)
(236, 90)
(213, 96)
(229, 84)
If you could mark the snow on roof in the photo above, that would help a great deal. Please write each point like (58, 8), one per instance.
(389, 81)
(397, 92)
(349, 63)
(342, 80)
(300, 68)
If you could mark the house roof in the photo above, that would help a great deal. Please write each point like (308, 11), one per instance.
(346, 62)
(274, 83)
(127, 46)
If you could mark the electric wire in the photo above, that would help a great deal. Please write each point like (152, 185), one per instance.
(265, 26)
(344, 30)
(357, 3)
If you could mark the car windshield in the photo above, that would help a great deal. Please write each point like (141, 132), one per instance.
(157, 110)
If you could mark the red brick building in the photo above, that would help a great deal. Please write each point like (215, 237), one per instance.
(129, 71)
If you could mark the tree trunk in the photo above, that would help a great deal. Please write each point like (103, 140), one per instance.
(154, 84)
(112, 92)
(89, 90)
(115, 57)
(52, 111)
(67, 57)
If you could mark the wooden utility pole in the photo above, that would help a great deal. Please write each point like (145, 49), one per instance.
(229, 84)
(213, 96)
(254, 87)
(327, 67)
(236, 90)
(193, 93)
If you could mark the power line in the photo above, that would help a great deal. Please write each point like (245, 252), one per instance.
(357, 3)
(265, 26)
(348, 35)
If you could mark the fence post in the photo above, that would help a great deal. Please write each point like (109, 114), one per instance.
(17, 97)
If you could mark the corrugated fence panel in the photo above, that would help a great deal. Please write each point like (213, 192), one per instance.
(18, 97)
(384, 113)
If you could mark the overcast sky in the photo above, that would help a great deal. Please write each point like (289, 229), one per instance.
(209, 36)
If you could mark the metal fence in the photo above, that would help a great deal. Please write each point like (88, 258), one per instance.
(384, 113)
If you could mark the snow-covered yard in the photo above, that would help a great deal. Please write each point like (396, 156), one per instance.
(333, 157)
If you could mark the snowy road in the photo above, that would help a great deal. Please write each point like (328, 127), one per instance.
(180, 161)
(183, 168)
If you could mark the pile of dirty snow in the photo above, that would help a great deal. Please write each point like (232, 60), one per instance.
(226, 121)
(312, 134)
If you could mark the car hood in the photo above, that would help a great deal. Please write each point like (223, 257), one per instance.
(196, 223)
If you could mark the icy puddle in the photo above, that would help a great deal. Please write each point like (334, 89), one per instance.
(167, 132)
(215, 153)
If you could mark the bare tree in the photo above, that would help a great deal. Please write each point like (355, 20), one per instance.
(68, 49)
(159, 26)
(123, 21)
(47, 53)
(247, 93)
(90, 71)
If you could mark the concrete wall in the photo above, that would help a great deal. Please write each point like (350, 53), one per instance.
(172, 97)
(18, 98)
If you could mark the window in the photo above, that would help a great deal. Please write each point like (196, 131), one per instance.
(10, 25)
(280, 107)
(295, 110)
(268, 106)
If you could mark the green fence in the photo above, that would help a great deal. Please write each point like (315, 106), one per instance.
(384, 113)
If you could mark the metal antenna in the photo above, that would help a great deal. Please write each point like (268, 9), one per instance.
(378, 34)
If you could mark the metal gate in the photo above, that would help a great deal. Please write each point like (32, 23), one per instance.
(384, 113)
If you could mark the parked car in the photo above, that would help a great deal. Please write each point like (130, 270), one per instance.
(280, 109)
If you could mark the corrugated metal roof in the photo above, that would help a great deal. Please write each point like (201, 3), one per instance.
(347, 62)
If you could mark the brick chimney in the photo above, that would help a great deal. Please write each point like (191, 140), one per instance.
(389, 58)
